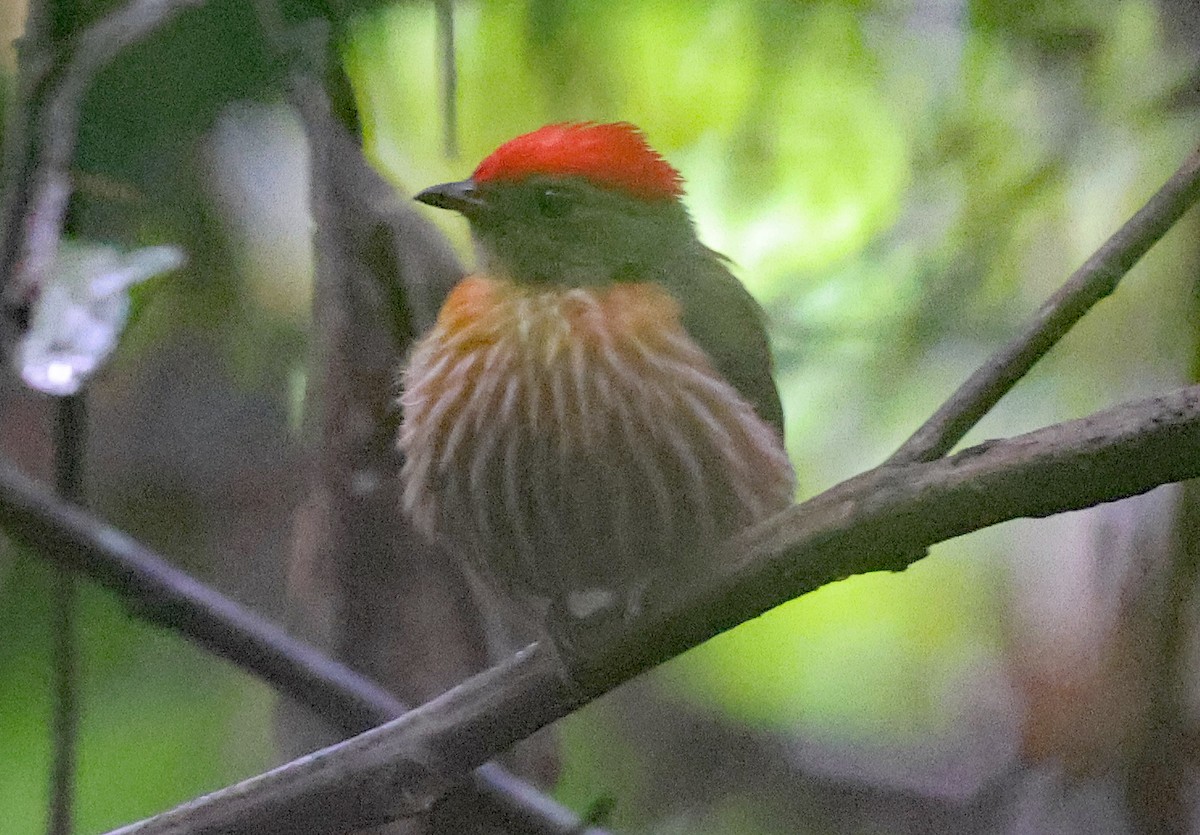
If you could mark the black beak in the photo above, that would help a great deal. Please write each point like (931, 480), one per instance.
(461, 197)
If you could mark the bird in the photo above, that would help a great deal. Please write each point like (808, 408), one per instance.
(593, 410)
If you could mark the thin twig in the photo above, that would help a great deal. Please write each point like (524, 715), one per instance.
(65, 721)
(70, 449)
(445, 19)
(34, 67)
(401, 768)
(163, 595)
(1096, 279)
(42, 131)
(56, 130)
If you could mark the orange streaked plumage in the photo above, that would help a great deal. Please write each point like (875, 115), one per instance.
(564, 436)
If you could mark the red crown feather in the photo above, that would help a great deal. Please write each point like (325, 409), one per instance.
(614, 155)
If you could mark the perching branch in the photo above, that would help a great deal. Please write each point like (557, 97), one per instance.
(401, 768)
(165, 596)
(1096, 279)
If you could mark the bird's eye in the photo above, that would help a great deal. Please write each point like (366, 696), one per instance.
(554, 202)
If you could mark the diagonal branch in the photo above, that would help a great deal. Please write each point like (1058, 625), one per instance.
(401, 768)
(161, 594)
(1095, 280)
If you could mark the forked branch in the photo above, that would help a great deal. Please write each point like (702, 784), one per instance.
(1095, 280)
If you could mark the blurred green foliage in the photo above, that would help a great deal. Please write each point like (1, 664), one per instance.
(900, 184)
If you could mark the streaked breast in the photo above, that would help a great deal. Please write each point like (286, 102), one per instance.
(577, 438)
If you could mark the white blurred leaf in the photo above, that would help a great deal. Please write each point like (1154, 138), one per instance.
(81, 310)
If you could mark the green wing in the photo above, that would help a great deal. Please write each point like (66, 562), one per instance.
(725, 320)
